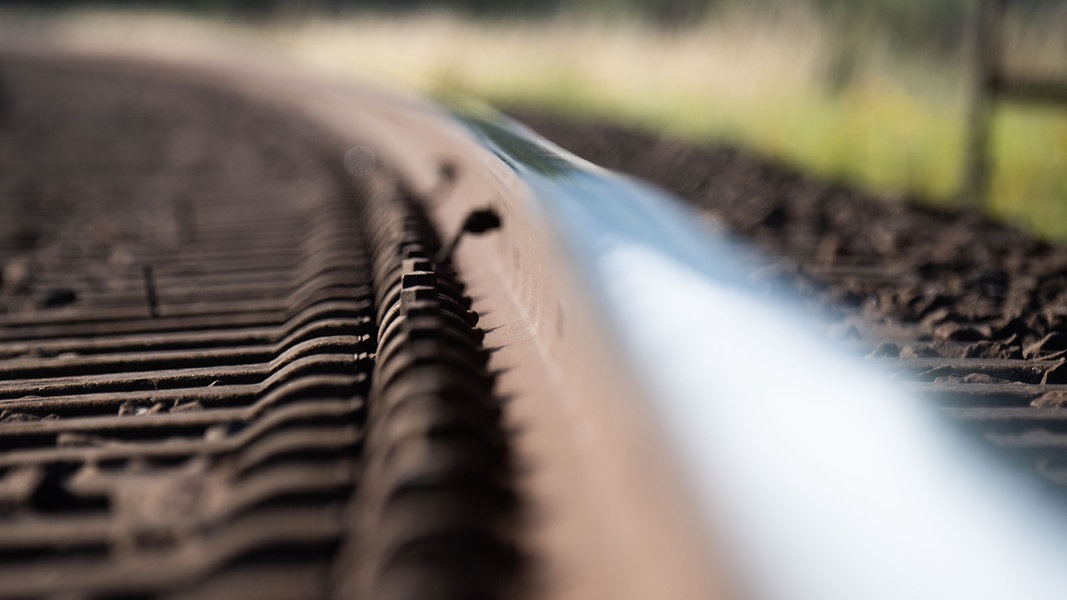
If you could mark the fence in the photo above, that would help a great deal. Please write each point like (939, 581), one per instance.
(990, 84)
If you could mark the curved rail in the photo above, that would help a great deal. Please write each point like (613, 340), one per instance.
(822, 481)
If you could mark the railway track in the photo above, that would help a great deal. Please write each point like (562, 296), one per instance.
(248, 350)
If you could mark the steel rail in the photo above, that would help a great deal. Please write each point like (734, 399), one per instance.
(662, 460)
(819, 482)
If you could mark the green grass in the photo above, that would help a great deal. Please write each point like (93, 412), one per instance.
(888, 122)
(1030, 182)
(874, 134)
(895, 126)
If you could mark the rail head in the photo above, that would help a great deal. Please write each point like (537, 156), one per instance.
(818, 480)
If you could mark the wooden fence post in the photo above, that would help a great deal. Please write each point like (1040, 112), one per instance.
(984, 54)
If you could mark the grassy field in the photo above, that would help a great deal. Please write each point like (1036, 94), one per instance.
(890, 123)
(846, 104)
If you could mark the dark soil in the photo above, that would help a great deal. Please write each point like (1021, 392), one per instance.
(963, 284)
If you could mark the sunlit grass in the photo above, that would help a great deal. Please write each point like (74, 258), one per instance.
(887, 122)
(895, 125)
(1030, 183)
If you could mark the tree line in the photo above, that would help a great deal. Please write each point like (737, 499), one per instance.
(937, 21)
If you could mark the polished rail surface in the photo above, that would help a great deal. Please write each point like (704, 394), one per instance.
(825, 480)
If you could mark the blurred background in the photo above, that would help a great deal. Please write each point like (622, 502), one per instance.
(873, 93)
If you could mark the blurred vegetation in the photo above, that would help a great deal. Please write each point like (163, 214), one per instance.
(911, 18)
(871, 92)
